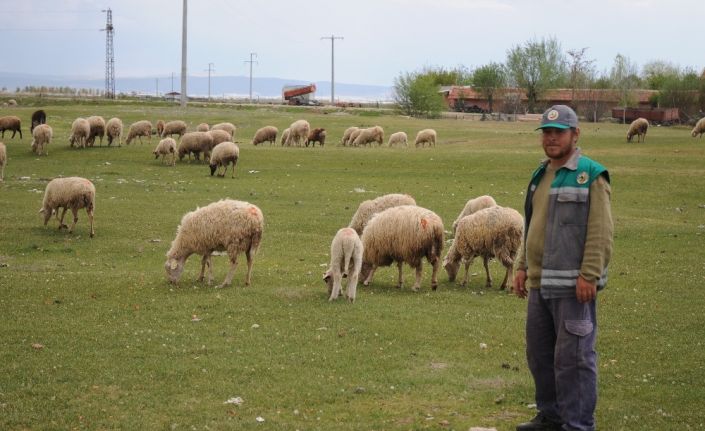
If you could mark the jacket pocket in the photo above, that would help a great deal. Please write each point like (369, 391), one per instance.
(572, 209)
(580, 328)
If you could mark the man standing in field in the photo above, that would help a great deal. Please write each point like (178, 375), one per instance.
(561, 266)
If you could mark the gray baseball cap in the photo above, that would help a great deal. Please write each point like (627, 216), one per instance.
(559, 117)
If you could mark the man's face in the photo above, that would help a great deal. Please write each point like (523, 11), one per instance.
(559, 143)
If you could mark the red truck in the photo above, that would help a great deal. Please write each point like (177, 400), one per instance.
(298, 95)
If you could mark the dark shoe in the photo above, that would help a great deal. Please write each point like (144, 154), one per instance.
(540, 423)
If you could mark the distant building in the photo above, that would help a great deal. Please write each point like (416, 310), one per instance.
(172, 96)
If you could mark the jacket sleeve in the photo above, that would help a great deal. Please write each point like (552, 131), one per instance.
(598, 241)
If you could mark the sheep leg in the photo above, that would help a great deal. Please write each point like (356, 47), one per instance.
(467, 273)
(506, 277)
(368, 280)
(249, 254)
(231, 271)
(399, 278)
(61, 220)
(89, 211)
(436, 264)
(485, 260)
(75, 219)
(419, 273)
(337, 284)
(206, 262)
(352, 281)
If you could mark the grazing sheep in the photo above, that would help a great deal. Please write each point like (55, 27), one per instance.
(638, 127)
(346, 135)
(139, 129)
(176, 127)
(398, 138)
(368, 208)
(160, 127)
(41, 137)
(226, 225)
(196, 143)
(224, 154)
(3, 161)
(403, 234)
(12, 102)
(71, 193)
(369, 135)
(491, 232)
(80, 130)
(699, 128)
(114, 131)
(353, 135)
(298, 133)
(10, 123)
(228, 127)
(219, 136)
(38, 117)
(165, 147)
(425, 136)
(203, 127)
(345, 261)
(285, 136)
(265, 134)
(473, 206)
(317, 135)
(97, 128)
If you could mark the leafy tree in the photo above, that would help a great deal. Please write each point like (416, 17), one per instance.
(624, 78)
(442, 76)
(655, 73)
(487, 79)
(581, 70)
(417, 95)
(536, 66)
(681, 91)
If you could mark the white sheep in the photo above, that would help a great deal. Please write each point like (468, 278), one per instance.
(345, 261)
(265, 134)
(97, 129)
(80, 130)
(638, 127)
(223, 154)
(114, 131)
(368, 208)
(176, 127)
(3, 161)
(138, 130)
(226, 225)
(219, 136)
(41, 137)
(398, 138)
(166, 146)
(228, 127)
(425, 136)
(494, 232)
(285, 136)
(346, 135)
(203, 127)
(298, 133)
(369, 135)
(196, 143)
(403, 234)
(12, 123)
(353, 135)
(473, 206)
(699, 128)
(71, 193)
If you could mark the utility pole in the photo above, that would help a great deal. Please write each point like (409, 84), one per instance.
(209, 70)
(253, 55)
(332, 65)
(183, 58)
(109, 56)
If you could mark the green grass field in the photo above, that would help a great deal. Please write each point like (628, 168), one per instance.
(122, 350)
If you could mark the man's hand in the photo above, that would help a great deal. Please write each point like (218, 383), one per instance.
(585, 290)
(520, 283)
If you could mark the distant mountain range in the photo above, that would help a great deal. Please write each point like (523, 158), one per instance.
(228, 86)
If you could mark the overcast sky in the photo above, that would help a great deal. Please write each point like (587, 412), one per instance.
(381, 37)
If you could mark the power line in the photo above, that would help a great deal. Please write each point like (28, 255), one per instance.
(183, 59)
(209, 70)
(252, 54)
(110, 56)
(332, 65)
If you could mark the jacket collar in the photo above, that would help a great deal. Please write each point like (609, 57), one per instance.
(571, 163)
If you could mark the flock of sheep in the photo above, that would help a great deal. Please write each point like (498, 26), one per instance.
(640, 126)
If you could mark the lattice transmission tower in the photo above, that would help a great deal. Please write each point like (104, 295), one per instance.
(109, 56)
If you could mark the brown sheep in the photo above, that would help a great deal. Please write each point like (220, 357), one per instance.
(638, 127)
(10, 123)
(317, 135)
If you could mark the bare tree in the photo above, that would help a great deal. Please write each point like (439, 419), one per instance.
(624, 78)
(580, 70)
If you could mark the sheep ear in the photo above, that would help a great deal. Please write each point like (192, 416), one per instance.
(173, 264)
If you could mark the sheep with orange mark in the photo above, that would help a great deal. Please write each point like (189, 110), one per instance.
(345, 261)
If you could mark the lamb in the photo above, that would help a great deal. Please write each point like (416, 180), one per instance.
(353, 135)
(368, 208)
(219, 136)
(203, 127)
(97, 128)
(369, 135)
(317, 135)
(172, 128)
(12, 123)
(473, 206)
(160, 127)
(491, 232)
(403, 234)
(41, 136)
(165, 147)
(345, 261)
(699, 128)
(114, 131)
(265, 134)
(224, 154)
(226, 225)
(196, 143)
(425, 136)
(139, 129)
(638, 127)
(285, 136)
(38, 117)
(398, 138)
(346, 135)
(298, 133)
(228, 127)
(71, 193)
(3, 161)
(80, 130)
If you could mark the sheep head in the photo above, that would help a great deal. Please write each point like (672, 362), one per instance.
(328, 279)
(174, 267)
(213, 168)
(451, 267)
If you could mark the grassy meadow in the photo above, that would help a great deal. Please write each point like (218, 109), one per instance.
(93, 336)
